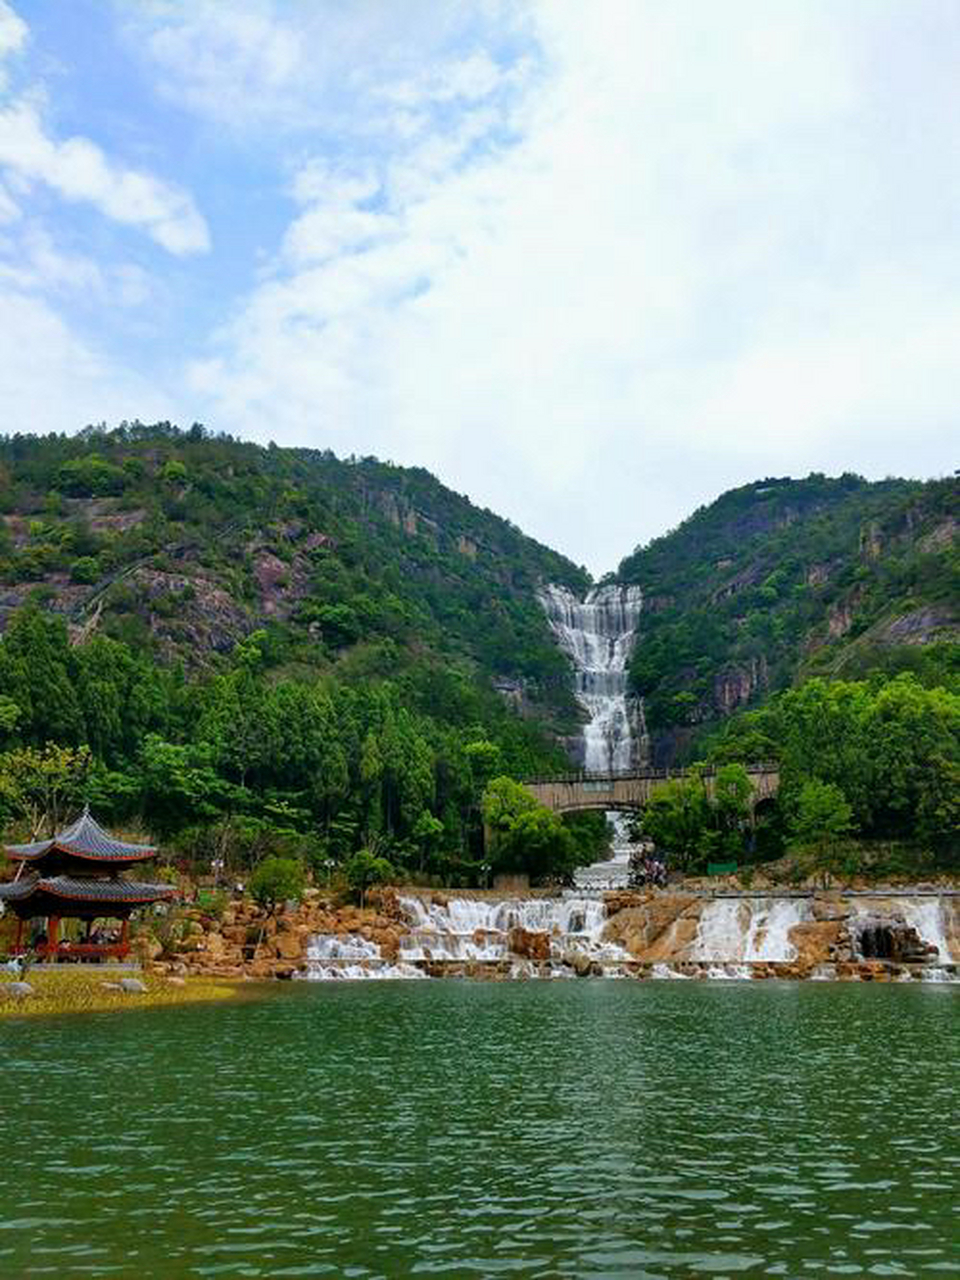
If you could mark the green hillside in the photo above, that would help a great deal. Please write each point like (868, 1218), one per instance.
(782, 580)
(184, 543)
(263, 645)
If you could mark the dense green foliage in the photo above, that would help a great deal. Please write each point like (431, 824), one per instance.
(878, 758)
(269, 651)
(785, 579)
(250, 760)
(182, 543)
(699, 820)
(260, 651)
(364, 869)
(277, 880)
(527, 838)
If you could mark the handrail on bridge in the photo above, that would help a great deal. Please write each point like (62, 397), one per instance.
(702, 771)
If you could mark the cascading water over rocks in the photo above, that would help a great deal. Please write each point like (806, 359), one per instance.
(525, 937)
(737, 936)
(597, 634)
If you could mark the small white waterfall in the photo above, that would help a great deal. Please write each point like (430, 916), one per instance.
(926, 915)
(467, 930)
(331, 957)
(737, 930)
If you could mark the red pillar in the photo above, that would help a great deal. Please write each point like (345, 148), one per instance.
(18, 945)
(125, 937)
(53, 935)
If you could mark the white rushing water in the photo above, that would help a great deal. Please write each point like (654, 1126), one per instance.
(465, 930)
(598, 635)
(926, 915)
(733, 930)
(350, 957)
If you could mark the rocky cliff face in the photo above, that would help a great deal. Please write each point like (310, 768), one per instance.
(785, 579)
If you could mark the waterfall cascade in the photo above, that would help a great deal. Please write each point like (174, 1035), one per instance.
(533, 937)
(741, 936)
(597, 634)
(735, 930)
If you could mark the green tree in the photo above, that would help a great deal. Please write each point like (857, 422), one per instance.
(679, 819)
(42, 786)
(364, 869)
(525, 836)
(277, 880)
(821, 817)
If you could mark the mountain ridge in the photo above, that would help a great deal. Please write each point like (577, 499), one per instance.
(182, 543)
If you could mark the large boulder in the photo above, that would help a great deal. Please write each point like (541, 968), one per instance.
(289, 946)
(816, 941)
(659, 929)
(529, 943)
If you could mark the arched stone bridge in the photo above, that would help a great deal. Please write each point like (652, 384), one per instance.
(571, 792)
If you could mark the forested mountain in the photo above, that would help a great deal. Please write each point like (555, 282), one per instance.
(782, 580)
(236, 646)
(182, 543)
(246, 649)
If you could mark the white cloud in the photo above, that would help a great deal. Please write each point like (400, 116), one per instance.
(36, 264)
(265, 64)
(13, 33)
(9, 209)
(79, 170)
(50, 378)
(678, 252)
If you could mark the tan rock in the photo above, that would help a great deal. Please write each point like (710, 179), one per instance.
(289, 946)
(532, 944)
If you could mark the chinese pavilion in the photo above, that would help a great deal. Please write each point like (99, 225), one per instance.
(77, 875)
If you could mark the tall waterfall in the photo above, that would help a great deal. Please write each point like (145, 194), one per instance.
(597, 634)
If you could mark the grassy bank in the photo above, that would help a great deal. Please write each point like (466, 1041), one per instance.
(75, 991)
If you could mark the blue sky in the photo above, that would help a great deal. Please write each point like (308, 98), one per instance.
(592, 264)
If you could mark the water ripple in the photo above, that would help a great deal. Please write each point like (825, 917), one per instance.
(450, 1129)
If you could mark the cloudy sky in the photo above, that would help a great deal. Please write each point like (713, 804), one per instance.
(590, 263)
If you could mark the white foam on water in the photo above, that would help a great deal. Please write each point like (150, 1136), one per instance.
(734, 930)
(665, 972)
(467, 929)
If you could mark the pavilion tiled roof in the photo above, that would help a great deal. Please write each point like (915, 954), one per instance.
(84, 838)
(83, 890)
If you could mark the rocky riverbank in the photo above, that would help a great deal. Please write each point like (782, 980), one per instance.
(245, 941)
(824, 934)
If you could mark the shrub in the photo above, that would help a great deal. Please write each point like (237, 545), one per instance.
(277, 880)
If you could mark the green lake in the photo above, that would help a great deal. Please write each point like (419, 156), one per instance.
(456, 1129)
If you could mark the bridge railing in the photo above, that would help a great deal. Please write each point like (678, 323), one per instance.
(702, 771)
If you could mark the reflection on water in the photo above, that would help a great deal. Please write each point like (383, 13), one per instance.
(465, 1129)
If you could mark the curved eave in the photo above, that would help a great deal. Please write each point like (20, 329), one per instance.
(125, 900)
(20, 854)
(97, 893)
